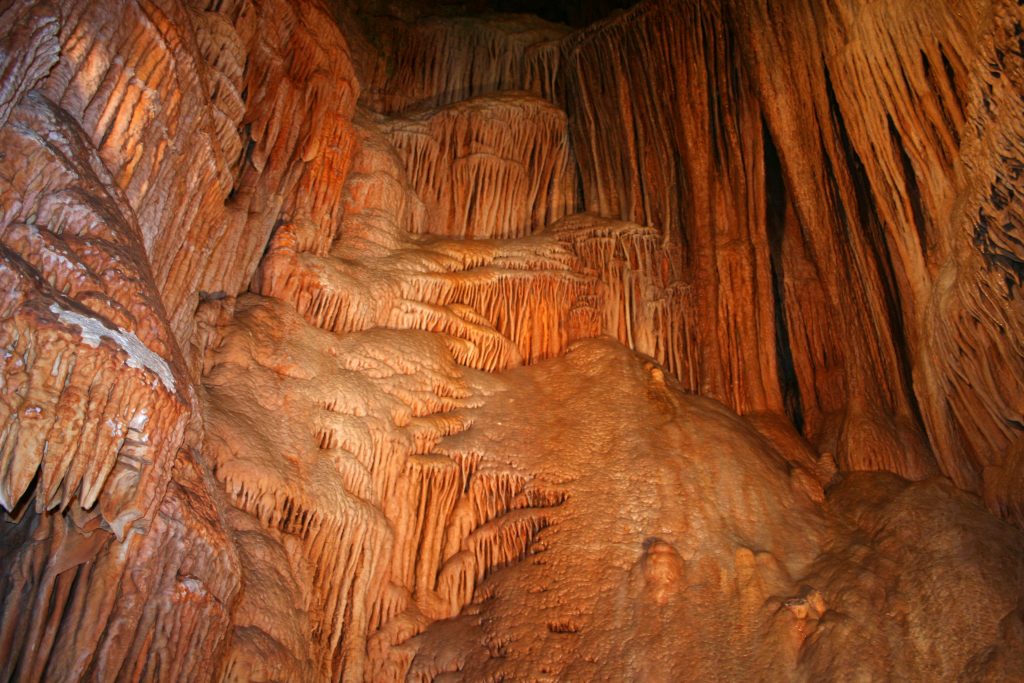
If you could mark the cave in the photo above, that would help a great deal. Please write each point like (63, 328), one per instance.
(353, 340)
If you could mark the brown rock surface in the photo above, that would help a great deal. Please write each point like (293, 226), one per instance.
(494, 166)
(356, 341)
(855, 233)
(425, 61)
(720, 571)
(159, 93)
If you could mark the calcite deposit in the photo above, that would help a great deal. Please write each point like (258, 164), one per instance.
(358, 341)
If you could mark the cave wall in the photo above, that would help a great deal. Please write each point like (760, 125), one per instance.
(820, 169)
(911, 116)
(150, 149)
(670, 137)
(805, 212)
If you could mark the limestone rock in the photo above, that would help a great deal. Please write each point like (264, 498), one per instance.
(495, 166)
(428, 62)
(358, 340)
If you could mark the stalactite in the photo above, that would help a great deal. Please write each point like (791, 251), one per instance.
(298, 390)
(667, 138)
(645, 300)
(433, 62)
(200, 131)
(500, 302)
(494, 166)
(81, 309)
(379, 484)
(912, 99)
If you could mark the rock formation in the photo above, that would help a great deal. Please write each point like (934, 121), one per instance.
(361, 341)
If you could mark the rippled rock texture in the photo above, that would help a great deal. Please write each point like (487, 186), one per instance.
(369, 341)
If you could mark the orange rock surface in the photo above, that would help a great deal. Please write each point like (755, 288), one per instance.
(359, 341)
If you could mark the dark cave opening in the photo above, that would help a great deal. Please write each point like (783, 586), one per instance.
(776, 202)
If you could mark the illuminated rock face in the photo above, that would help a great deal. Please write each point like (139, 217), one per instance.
(355, 346)
(492, 166)
(839, 182)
